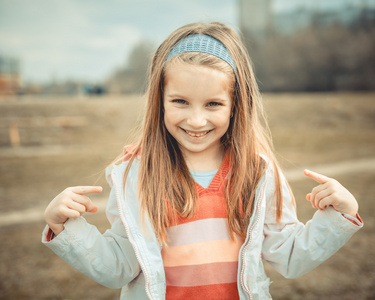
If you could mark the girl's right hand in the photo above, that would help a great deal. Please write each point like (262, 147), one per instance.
(71, 203)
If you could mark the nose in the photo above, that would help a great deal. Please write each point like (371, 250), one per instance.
(196, 119)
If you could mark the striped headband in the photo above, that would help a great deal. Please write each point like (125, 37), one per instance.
(203, 43)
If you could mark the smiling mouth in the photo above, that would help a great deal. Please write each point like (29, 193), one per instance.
(196, 134)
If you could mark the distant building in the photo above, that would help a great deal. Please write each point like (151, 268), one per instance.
(255, 17)
(347, 15)
(10, 79)
(258, 19)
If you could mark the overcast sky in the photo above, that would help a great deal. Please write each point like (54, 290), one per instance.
(87, 40)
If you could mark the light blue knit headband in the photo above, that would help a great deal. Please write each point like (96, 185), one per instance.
(203, 43)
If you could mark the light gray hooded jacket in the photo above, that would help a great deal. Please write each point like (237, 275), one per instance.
(128, 255)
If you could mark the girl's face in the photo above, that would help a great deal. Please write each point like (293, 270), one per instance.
(197, 108)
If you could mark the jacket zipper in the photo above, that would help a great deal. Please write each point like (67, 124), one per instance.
(248, 242)
(130, 237)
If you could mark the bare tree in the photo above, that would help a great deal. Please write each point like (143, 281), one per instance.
(132, 78)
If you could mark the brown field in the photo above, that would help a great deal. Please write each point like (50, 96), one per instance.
(66, 142)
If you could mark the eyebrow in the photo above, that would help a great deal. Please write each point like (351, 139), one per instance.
(175, 96)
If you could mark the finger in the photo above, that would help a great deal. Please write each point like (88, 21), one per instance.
(315, 191)
(86, 189)
(84, 200)
(308, 198)
(70, 213)
(77, 207)
(327, 201)
(316, 176)
(322, 197)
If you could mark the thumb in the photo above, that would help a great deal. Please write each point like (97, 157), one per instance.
(94, 209)
(308, 196)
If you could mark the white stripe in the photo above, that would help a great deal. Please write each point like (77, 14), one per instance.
(213, 229)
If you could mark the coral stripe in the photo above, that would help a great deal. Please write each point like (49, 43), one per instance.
(214, 273)
(201, 253)
(206, 209)
(226, 291)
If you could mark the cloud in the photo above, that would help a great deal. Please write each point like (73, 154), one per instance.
(87, 39)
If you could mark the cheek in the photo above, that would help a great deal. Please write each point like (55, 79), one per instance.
(166, 121)
(223, 120)
(171, 120)
(173, 116)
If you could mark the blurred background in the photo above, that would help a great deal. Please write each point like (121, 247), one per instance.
(79, 47)
(72, 78)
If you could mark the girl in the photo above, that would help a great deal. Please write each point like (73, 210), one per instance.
(199, 200)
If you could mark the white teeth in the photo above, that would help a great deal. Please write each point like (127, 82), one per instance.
(197, 134)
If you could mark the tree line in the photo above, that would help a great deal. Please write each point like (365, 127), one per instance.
(333, 58)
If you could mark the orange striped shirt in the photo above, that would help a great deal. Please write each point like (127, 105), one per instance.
(201, 259)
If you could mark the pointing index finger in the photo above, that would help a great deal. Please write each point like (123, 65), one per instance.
(316, 176)
(82, 190)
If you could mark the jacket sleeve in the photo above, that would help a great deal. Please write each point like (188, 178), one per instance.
(293, 248)
(107, 258)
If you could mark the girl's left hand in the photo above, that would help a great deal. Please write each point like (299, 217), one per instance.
(331, 193)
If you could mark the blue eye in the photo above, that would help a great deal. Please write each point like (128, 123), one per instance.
(179, 101)
(213, 104)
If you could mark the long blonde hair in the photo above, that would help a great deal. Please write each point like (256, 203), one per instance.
(165, 184)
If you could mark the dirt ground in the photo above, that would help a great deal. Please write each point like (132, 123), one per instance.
(308, 130)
